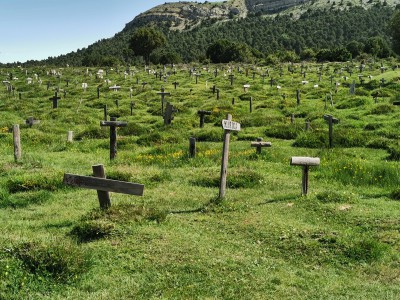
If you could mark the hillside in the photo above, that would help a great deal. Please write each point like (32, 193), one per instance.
(268, 27)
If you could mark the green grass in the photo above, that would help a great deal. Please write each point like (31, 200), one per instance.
(264, 240)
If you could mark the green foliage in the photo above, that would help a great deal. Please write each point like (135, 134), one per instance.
(314, 139)
(224, 51)
(237, 179)
(60, 261)
(87, 231)
(145, 40)
(394, 26)
(366, 250)
(334, 196)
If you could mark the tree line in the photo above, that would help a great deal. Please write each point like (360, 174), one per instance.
(327, 34)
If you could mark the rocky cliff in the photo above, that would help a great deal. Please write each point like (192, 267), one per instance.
(186, 15)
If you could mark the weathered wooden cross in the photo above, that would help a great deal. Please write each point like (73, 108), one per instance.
(103, 185)
(31, 121)
(202, 114)
(113, 124)
(259, 144)
(331, 120)
(169, 110)
(163, 94)
(306, 163)
(55, 100)
(231, 77)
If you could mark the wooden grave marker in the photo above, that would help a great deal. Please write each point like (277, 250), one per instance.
(163, 94)
(17, 143)
(259, 144)
(103, 185)
(331, 120)
(306, 163)
(228, 125)
(113, 124)
(31, 121)
(55, 99)
(202, 114)
(168, 115)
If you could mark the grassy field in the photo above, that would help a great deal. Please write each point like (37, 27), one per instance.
(264, 240)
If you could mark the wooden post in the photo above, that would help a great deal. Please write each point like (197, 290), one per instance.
(305, 162)
(104, 197)
(260, 144)
(202, 114)
(228, 126)
(98, 92)
(331, 120)
(307, 125)
(217, 90)
(105, 112)
(192, 147)
(298, 97)
(113, 124)
(17, 143)
(251, 104)
(132, 106)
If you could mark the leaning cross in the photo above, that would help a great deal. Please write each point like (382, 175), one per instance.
(260, 144)
(103, 185)
(55, 100)
(113, 124)
(163, 94)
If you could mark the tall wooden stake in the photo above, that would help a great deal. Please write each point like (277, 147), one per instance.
(225, 158)
(104, 197)
(17, 143)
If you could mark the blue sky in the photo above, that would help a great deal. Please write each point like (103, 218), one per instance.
(38, 29)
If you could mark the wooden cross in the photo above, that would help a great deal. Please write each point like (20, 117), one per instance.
(55, 100)
(231, 77)
(202, 114)
(271, 82)
(263, 77)
(31, 121)
(260, 144)
(175, 84)
(103, 185)
(306, 163)
(331, 120)
(113, 124)
(163, 94)
(169, 110)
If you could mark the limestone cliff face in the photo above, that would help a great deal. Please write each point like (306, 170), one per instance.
(186, 15)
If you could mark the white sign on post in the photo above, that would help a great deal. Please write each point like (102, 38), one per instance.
(230, 125)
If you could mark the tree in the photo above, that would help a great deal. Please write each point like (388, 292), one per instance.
(224, 51)
(145, 40)
(395, 32)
